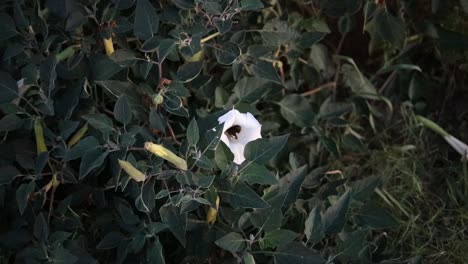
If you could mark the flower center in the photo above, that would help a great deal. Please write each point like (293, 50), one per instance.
(233, 131)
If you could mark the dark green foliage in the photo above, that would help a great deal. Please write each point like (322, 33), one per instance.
(104, 77)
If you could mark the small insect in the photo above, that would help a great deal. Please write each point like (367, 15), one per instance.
(233, 131)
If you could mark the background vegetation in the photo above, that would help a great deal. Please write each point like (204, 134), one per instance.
(344, 173)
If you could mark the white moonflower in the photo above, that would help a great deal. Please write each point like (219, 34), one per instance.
(238, 130)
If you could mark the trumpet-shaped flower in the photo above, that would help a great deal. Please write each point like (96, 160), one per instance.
(456, 144)
(238, 130)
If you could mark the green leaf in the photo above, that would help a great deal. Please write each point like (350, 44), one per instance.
(277, 238)
(223, 157)
(248, 258)
(277, 32)
(22, 194)
(10, 122)
(184, 4)
(122, 112)
(233, 242)
(287, 189)
(265, 70)
(228, 53)
(101, 122)
(155, 253)
(61, 255)
(111, 240)
(242, 196)
(222, 24)
(373, 216)
(7, 174)
(256, 173)
(146, 23)
(165, 47)
(41, 228)
(297, 110)
(176, 222)
(193, 135)
(263, 149)
(189, 71)
(122, 56)
(297, 253)
(334, 217)
(79, 150)
(7, 27)
(251, 89)
(267, 219)
(8, 88)
(390, 28)
(251, 4)
(145, 202)
(93, 159)
(313, 226)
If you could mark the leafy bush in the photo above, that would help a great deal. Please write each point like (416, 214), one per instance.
(88, 85)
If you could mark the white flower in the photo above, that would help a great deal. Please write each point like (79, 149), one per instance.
(239, 129)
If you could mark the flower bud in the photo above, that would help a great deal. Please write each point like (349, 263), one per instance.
(133, 172)
(166, 154)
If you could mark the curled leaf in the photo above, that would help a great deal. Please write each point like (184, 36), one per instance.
(166, 154)
(133, 172)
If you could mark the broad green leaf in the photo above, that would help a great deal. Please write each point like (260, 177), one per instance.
(145, 202)
(313, 226)
(251, 4)
(248, 258)
(193, 135)
(277, 32)
(176, 221)
(277, 238)
(10, 122)
(256, 173)
(146, 23)
(223, 156)
(390, 28)
(267, 219)
(22, 194)
(123, 56)
(233, 242)
(7, 174)
(297, 253)
(184, 4)
(263, 149)
(227, 53)
(287, 189)
(166, 46)
(189, 71)
(374, 216)
(8, 88)
(93, 159)
(122, 111)
(100, 122)
(251, 89)
(79, 150)
(222, 24)
(334, 217)
(297, 110)
(242, 196)
(41, 228)
(155, 253)
(7, 27)
(266, 70)
(110, 240)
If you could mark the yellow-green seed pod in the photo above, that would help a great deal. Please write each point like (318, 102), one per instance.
(39, 134)
(166, 154)
(133, 172)
(78, 135)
